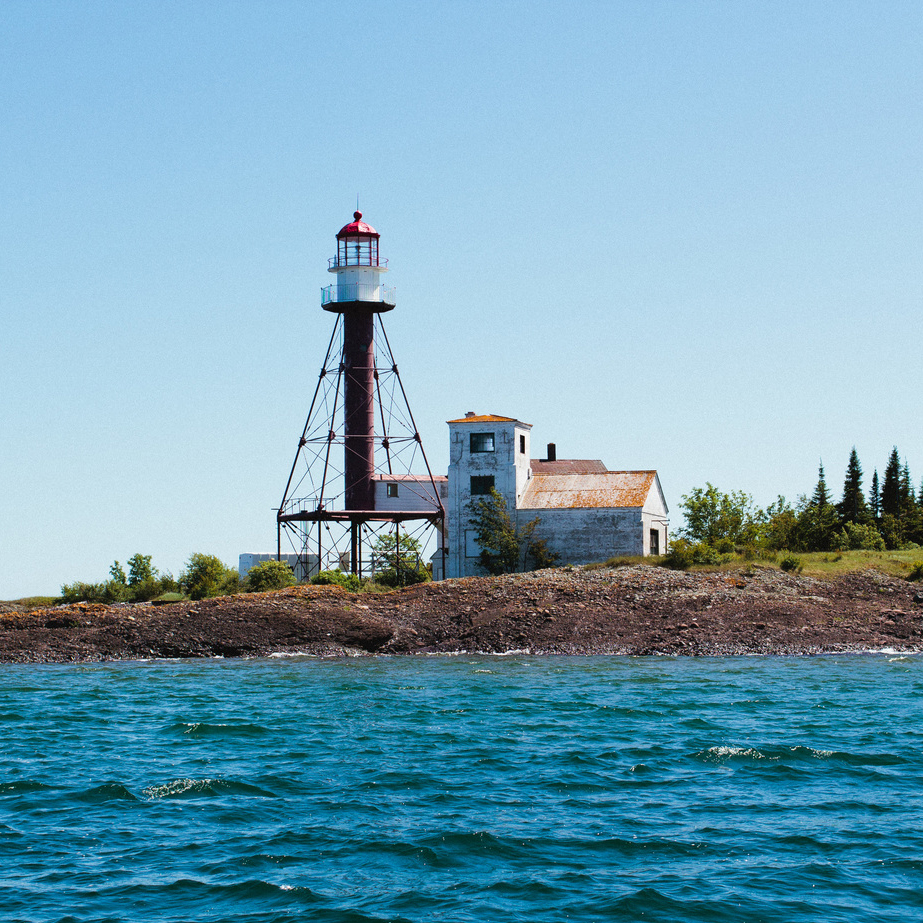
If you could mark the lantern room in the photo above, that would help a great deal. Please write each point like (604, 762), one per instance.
(357, 245)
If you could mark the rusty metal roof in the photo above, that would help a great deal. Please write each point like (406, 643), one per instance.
(612, 490)
(357, 228)
(487, 418)
(568, 466)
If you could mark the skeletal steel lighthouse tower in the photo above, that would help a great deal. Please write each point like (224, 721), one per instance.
(349, 482)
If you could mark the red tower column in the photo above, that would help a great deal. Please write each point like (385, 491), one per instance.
(358, 406)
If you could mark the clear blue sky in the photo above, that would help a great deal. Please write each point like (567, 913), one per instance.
(675, 235)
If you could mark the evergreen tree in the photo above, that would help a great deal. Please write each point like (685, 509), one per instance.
(816, 525)
(875, 497)
(891, 489)
(911, 515)
(852, 507)
(907, 498)
(821, 497)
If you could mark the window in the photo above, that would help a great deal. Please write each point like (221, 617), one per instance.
(481, 484)
(482, 442)
(522, 445)
(392, 490)
(655, 541)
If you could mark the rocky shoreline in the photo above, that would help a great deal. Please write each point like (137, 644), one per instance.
(637, 610)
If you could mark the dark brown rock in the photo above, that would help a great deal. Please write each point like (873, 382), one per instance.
(629, 610)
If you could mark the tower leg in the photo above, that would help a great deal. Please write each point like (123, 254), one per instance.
(354, 562)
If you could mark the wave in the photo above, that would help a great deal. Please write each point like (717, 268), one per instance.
(725, 754)
(26, 785)
(197, 788)
(108, 791)
(226, 729)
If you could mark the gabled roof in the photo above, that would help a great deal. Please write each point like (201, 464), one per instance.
(612, 490)
(568, 466)
(487, 418)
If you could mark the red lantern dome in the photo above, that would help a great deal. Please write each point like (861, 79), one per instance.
(357, 228)
(357, 245)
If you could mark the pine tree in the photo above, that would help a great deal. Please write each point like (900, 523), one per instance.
(852, 507)
(908, 499)
(911, 514)
(821, 497)
(875, 497)
(891, 489)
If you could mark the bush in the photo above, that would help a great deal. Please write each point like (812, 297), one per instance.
(679, 557)
(83, 592)
(269, 575)
(916, 572)
(349, 582)
(541, 556)
(404, 576)
(683, 554)
(206, 576)
(791, 564)
(856, 536)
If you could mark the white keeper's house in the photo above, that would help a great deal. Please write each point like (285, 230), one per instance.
(586, 512)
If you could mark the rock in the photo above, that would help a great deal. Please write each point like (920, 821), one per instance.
(631, 610)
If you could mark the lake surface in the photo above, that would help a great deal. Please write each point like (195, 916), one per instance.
(464, 789)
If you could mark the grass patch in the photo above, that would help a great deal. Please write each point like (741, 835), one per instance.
(166, 598)
(835, 563)
(623, 560)
(35, 602)
(821, 564)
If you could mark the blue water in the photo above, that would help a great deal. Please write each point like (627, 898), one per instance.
(463, 789)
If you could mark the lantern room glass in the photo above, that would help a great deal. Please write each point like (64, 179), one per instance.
(357, 251)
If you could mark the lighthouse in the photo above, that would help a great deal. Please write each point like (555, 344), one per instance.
(358, 295)
(334, 507)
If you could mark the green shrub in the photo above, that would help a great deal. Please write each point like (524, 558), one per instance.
(83, 592)
(916, 572)
(541, 556)
(349, 582)
(857, 536)
(791, 564)
(206, 576)
(683, 554)
(269, 575)
(403, 576)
